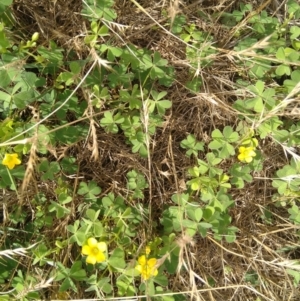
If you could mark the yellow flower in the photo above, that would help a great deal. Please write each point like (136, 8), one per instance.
(147, 250)
(10, 160)
(246, 154)
(94, 251)
(147, 267)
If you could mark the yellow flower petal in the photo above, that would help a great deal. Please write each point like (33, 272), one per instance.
(151, 262)
(248, 159)
(139, 268)
(11, 160)
(100, 257)
(147, 267)
(155, 272)
(94, 250)
(146, 275)
(92, 242)
(91, 259)
(86, 250)
(252, 153)
(102, 246)
(246, 154)
(241, 157)
(142, 260)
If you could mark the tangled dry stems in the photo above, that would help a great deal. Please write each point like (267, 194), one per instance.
(202, 260)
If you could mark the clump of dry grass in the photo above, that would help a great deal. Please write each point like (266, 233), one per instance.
(108, 158)
(59, 20)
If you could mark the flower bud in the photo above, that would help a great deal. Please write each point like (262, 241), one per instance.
(35, 37)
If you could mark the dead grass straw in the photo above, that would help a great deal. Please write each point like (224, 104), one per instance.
(208, 269)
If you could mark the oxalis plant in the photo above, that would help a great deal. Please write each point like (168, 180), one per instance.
(106, 256)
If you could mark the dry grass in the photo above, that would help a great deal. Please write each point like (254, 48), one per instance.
(106, 158)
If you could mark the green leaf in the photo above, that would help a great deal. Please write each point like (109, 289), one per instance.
(260, 86)
(238, 182)
(292, 55)
(150, 288)
(180, 199)
(90, 190)
(194, 183)
(132, 272)
(90, 39)
(116, 260)
(208, 212)
(215, 144)
(79, 237)
(68, 165)
(295, 275)
(61, 210)
(230, 238)
(75, 67)
(203, 228)
(92, 214)
(177, 25)
(97, 228)
(163, 105)
(295, 79)
(109, 122)
(258, 104)
(95, 10)
(195, 171)
(296, 45)
(139, 147)
(4, 42)
(194, 213)
(63, 198)
(5, 79)
(160, 104)
(158, 61)
(194, 84)
(280, 54)
(49, 171)
(161, 279)
(260, 69)
(103, 284)
(6, 2)
(94, 27)
(226, 151)
(295, 32)
(270, 126)
(230, 135)
(158, 95)
(66, 285)
(5, 97)
(73, 228)
(77, 272)
(62, 273)
(192, 145)
(115, 51)
(203, 168)
(294, 214)
(189, 226)
(212, 159)
(171, 263)
(70, 134)
(216, 134)
(22, 99)
(108, 200)
(124, 285)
